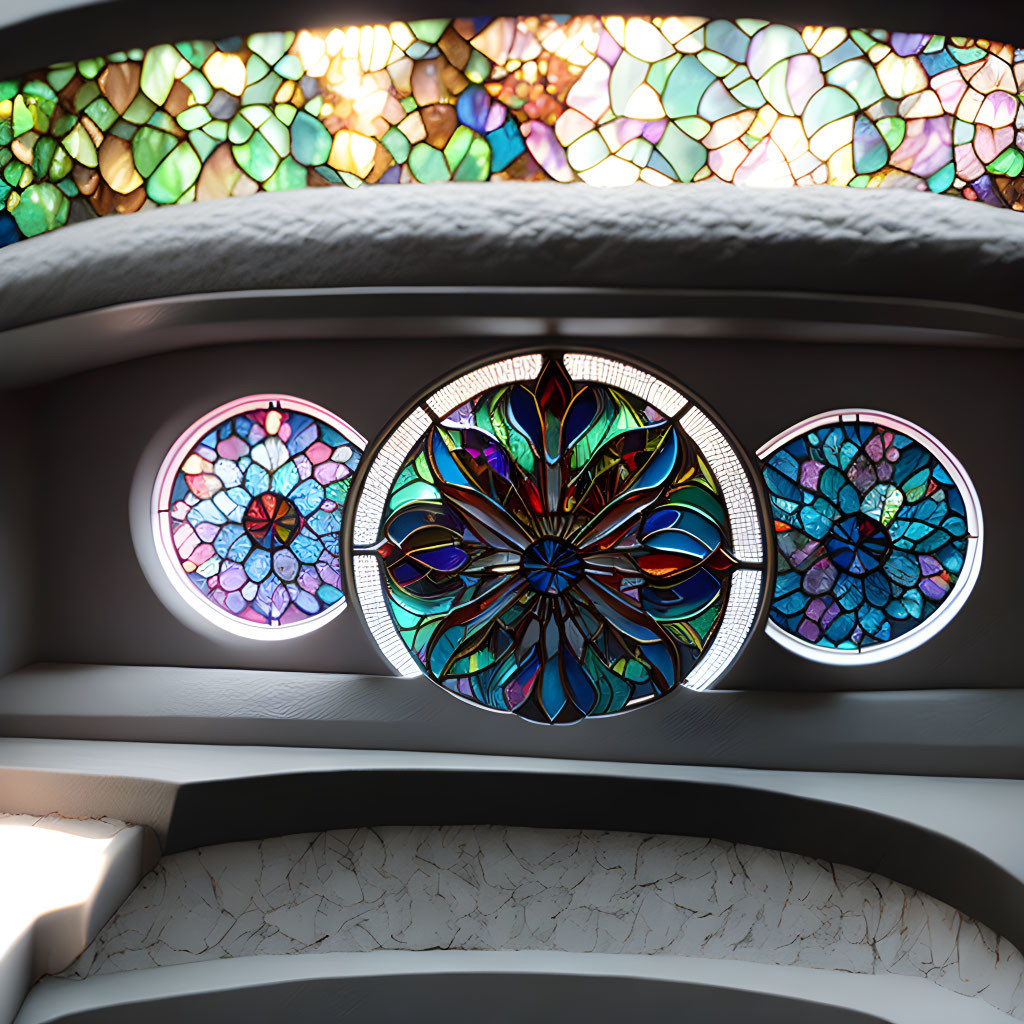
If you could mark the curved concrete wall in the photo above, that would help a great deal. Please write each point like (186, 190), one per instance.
(454, 985)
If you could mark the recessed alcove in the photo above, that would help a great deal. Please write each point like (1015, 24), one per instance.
(118, 702)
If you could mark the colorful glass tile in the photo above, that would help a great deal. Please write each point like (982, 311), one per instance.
(247, 512)
(878, 536)
(605, 100)
(559, 536)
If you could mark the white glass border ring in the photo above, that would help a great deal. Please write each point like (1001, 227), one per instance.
(159, 515)
(749, 597)
(935, 622)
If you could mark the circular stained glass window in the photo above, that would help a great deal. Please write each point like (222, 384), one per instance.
(878, 536)
(559, 536)
(247, 514)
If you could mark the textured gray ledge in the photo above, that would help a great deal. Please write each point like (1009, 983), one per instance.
(966, 733)
(513, 986)
(960, 840)
(823, 240)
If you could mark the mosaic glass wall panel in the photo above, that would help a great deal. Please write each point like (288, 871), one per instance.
(247, 514)
(604, 100)
(559, 536)
(878, 536)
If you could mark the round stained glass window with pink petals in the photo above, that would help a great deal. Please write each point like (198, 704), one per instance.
(247, 511)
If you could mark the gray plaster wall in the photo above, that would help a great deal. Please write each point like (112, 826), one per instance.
(18, 532)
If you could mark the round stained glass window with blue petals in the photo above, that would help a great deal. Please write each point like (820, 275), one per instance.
(878, 536)
(247, 514)
(559, 536)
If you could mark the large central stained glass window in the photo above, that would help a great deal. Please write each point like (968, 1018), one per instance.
(559, 536)
(605, 100)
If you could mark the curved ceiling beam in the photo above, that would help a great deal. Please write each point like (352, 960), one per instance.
(34, 33)
(539, 251)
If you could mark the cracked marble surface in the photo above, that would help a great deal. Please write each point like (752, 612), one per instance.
(494, 888)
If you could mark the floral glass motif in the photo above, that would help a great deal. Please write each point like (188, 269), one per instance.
(555, 548)
(872, 534)
(605, 100)
(251, 511)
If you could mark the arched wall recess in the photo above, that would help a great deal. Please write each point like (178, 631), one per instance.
(499, 888)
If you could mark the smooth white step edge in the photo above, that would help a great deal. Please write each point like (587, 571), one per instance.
(893, 998)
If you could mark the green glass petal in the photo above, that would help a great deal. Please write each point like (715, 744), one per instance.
(893, 129)
(285, 113)
(256, 157)
(86, 93)
(21, 117)
(175, 175)
(91, 68)
(158, 72)
(60, 165)
(42, 154)
(271, 46)
(859, 79)
(200, 88)
(476, 165)
(311, 141)
(102, 114)
(42, 208)
(277, 135)
(825, 106)
(194, 117)
(58, 76)
(140, 110)
(149, 147)
(685, 155)
(1010, 161)
(458, 146)
(685, 87)
(429, 31)
(289, 67)
(195, 51)
(79, 144)
(203, 143)
(428, 164)
(288, 175)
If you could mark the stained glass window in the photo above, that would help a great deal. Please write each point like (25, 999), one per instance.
(247, 514)
(605, 100)
(559, 536)
(878, 536)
